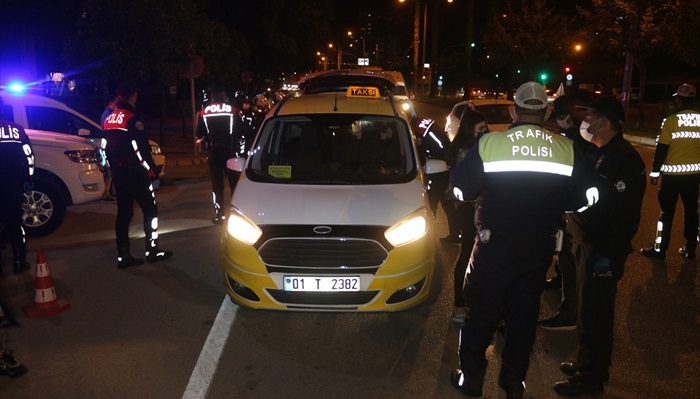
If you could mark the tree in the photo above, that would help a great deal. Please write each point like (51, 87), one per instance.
(149, 40)
(528, 36)
(631, 27)
(680, 30)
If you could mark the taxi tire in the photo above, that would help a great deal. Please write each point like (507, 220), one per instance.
(51, 200)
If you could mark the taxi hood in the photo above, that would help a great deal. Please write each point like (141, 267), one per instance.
(295, 204)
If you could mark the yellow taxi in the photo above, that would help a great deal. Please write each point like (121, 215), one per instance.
(330, 212)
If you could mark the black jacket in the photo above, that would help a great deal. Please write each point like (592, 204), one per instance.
(611, 224)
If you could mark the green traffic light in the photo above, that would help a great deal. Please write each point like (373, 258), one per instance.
(543, 77)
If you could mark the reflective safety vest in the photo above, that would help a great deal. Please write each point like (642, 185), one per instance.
(681, 132)
(527, 148)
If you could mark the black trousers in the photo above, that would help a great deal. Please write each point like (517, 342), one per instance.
(596, 311)
(11, 213)
(133, 184)
(567, 269)
(504, 280)
(216, 159)
(464, 217)
(672, 186)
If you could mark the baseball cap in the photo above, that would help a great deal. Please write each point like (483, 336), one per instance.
(560, 107)
(531, 95)
(581, 97)
(685, 90)
(609, 107)
(125, 89)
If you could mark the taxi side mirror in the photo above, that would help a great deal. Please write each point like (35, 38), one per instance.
(235, 164)
(433, 166)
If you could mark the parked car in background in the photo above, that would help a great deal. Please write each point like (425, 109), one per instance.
(66, 171)
(66, 145)
(494, 110)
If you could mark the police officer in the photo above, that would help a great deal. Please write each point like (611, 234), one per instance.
(569, 122)
(601, 242)
(523, 179)
(16, 174)
(221, 124)
(129, 156)
(677, 158)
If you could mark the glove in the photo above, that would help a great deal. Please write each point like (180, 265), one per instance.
(28, 186)
(156, 184)
(602, 267)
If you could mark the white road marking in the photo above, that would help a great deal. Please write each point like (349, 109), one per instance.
(204, 370)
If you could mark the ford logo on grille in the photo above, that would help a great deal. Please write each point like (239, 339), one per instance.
(322, 229)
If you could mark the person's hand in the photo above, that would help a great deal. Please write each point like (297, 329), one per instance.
(28, 186)
(602, 266)
(654, 180)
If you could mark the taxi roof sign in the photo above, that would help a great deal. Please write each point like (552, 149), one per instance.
(363, 92)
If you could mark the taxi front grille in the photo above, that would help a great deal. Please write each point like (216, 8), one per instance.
(322, 255)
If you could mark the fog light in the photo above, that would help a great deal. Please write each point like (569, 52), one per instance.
(407, 293)
(91, 187)
(411, 291)
(242, 290)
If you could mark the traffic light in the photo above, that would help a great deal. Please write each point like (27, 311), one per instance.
(543, 77)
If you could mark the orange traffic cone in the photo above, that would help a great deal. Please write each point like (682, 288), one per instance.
(45, 301)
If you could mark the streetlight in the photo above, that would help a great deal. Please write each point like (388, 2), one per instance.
(416, 28)
(323, 59)
(416, 38)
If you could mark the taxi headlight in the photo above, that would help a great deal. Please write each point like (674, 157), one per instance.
(406, 106)
(409, 229)
(242, 228)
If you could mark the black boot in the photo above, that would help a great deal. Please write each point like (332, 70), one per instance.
(220, 218)
(9, 365)
(156, 254)
(125, 259)
(20, 266)
(471, 385)
(19, 262)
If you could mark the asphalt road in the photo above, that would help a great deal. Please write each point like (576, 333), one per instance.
(167, 330)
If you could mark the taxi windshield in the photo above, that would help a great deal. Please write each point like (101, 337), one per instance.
(333, 149)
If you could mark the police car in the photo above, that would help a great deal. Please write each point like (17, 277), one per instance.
(330, 212)
(65, 144)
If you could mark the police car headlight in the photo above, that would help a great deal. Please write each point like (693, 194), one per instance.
(409, 229)
(82, 156)
(242, 228)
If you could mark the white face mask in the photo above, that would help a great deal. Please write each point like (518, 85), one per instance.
(565, 123)
(585, 130)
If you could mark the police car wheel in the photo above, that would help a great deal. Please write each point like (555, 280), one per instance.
(43, 209)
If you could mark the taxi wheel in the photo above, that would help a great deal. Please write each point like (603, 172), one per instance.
(43, 209)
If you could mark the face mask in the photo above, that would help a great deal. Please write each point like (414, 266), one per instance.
(585, 130)
(565, 123)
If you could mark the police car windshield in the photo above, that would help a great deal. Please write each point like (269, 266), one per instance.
(333, 149)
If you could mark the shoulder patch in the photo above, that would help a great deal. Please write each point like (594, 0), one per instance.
(139, 125)
(620, 186)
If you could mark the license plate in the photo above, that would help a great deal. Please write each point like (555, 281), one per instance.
(322, 284)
